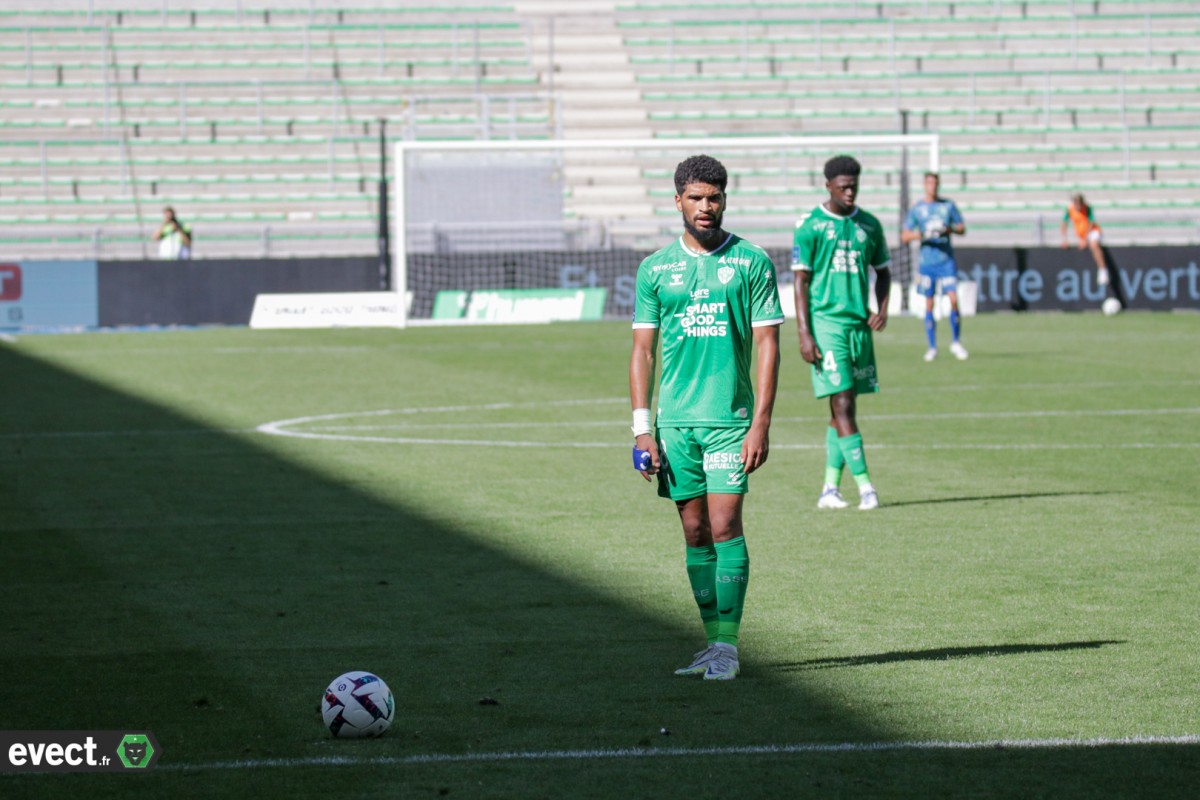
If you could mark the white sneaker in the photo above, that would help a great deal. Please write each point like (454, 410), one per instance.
(959, 351)
(870, 499)
(931, 354)
(700, 661)
(1102, 277)
(831, 498)
(724, 664)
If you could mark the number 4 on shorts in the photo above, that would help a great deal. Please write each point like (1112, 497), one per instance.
(829, 363)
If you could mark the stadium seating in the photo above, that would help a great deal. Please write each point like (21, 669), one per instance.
(1032, 100)
(263, 123)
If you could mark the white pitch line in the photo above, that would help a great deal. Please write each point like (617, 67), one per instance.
(126, 434)
(685, 752)
(1125, 412)
(354, 433)
(320, 428)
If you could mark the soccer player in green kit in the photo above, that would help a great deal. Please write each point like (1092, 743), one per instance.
(833, 249)
(711, 297)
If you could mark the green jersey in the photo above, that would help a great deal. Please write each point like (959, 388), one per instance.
(838, 251)
(705, 305)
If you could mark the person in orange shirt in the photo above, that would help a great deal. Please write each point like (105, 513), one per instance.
(1079, 214)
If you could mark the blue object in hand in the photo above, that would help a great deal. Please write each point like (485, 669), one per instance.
(641, 460)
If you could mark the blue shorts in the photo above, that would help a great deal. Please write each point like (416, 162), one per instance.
(944, 275)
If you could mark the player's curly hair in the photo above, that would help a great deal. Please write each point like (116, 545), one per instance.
(700, 169)
(842, 165)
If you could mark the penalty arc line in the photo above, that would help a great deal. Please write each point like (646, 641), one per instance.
(688, 752)
(287, 428)
(425, 425)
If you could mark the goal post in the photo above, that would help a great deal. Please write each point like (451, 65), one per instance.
(538, 230)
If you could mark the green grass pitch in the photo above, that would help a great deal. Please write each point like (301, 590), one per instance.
(454, 509)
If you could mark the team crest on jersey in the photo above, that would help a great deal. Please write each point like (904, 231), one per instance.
(860, 235)
(725, 274)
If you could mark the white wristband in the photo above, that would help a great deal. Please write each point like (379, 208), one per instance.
(641, 421)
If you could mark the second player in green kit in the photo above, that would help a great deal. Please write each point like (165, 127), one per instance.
(834, 249)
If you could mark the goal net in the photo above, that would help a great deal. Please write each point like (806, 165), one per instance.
(531, 231)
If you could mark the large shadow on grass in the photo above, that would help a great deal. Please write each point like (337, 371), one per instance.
(160, 574)
(944, 654)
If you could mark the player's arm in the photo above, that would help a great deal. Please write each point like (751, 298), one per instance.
(803, 255)
(957, 226)
(808, 343)
(911, 231)
(757, 443)
(881, 259)
(641, 374)
(883, 288)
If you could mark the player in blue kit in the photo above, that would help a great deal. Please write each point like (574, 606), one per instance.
(931, 222)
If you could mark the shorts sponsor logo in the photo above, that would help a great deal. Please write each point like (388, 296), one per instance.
(735, 478)
(722, 462)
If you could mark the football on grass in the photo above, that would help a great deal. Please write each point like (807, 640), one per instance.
(1111, 306)
(357, 704)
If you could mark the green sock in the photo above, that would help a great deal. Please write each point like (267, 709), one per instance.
(852, 449)
(702, 573)
(834, 460)
(733, 575)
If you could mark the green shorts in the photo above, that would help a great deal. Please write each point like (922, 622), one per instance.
(847, 359)
(700, 461)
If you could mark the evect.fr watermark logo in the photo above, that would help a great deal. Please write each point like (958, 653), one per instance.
(78, 751)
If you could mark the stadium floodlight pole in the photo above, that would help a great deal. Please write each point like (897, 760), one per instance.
(404, 147)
